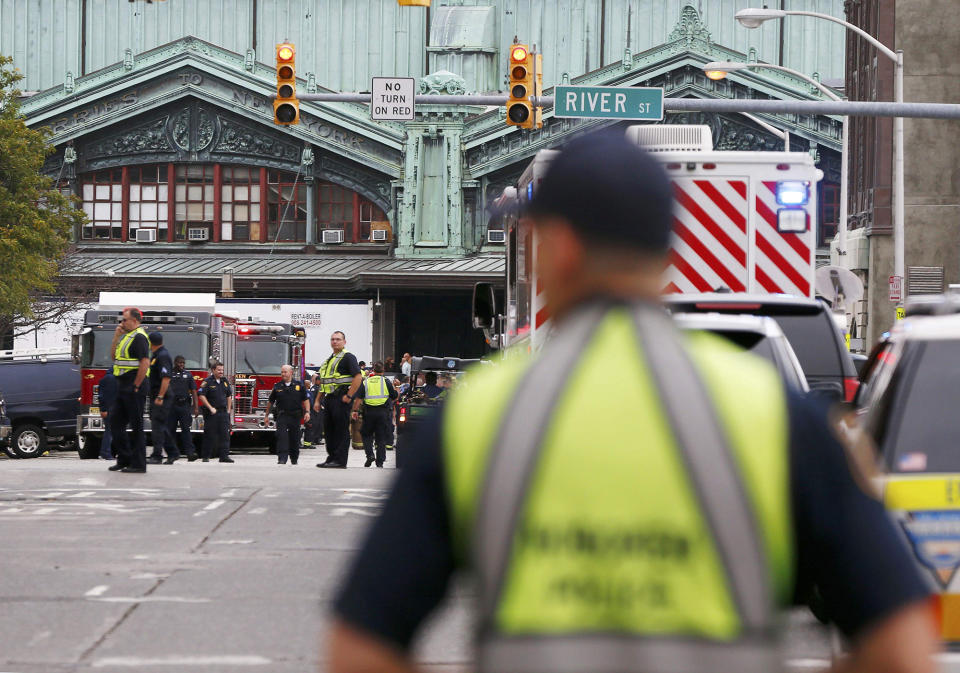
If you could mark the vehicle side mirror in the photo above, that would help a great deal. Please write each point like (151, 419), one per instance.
(484, 306)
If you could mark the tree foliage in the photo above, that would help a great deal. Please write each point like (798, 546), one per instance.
(36, 220)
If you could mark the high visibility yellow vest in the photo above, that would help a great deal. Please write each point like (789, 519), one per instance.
(609, 548)
(122, 361)
(375, 393)
(329, 379)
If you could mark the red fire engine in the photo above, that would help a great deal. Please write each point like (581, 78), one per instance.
(262, 349)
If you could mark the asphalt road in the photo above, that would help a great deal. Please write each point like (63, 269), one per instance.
(201, 567)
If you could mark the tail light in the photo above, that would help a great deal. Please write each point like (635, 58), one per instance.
(850, 386)
(403, 414)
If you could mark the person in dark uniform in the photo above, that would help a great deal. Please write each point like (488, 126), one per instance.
(377, 395)
(108, 397)
(316, 419)
(289, 398)
(131, 365)
(161, 403)
(340, 378)
(217, 400)
(185, 406)
(430, 388)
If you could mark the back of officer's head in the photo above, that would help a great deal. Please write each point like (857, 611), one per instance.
(156, 339)
(377, 367)
(430, 378)
(603, 213)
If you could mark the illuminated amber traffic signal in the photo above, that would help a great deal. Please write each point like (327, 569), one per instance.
(520, 111)
(286, 107)
(414, 3)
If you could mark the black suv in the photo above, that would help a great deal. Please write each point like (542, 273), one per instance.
(808, 326)
(41, 402)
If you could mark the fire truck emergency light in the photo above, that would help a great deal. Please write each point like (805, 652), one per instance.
(792, 221)
(792, 193)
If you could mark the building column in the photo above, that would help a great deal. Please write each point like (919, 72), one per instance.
(311, 209)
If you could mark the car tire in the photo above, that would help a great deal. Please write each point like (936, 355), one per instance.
(28, 441)
(88, 446)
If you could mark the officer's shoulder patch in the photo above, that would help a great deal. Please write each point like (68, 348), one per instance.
(298, 387)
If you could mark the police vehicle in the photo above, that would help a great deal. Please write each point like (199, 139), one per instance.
(911, 399)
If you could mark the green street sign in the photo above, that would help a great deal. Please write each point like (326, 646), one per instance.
(608, 102)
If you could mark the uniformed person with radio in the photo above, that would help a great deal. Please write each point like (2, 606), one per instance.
(131, 366)
(291, 406)
(340, 378)
(185, 406)
(216, 398)
(664, 542)
(377, 396)
(161, 403)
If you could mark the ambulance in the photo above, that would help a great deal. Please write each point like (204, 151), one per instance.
(743, 221)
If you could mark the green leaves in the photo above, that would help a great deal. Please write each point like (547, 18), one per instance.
(36, 220)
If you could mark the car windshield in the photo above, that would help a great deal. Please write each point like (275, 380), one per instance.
(814, 341)
(925, 431)
(756, 343)
(191, 345)
(256, 356)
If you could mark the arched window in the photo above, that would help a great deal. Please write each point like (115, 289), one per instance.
(220, 203)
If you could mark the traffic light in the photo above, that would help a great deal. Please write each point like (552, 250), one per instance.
(523, 85)
(414, 3)
(286, 107)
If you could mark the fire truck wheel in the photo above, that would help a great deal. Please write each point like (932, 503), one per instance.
(88, 446)
(28, 441)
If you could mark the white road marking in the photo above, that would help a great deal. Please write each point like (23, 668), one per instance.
(229, 494)
(149, 576)
(54, 494)
(89, 481)
(271, 495)
(98, 590)
(808, 663)
(305, 511)
(45, 510)
(195, 661)
(82, 494)
(368, 496)
(11, 510)
(209, 508)
(343, 511)
(41, 635)
(141, 557)
(232, 542)
(151, 599)
(257, 510)
(377, 505)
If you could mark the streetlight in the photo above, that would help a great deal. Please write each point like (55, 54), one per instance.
(718, 70)
(753, 18)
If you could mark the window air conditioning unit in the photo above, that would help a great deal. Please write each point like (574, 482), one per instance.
(378, 235)
(496, 236)
(146, 235)
(198, 234)
(333, 235)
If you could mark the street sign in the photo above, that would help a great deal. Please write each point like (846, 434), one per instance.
(901, 313)
(608, 102)
(896, 288)
(391, 99)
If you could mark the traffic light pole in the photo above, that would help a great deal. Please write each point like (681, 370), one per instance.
(840, 108)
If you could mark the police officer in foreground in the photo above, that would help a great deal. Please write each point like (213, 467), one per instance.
(161, 403)
(377, 396)
(216, 398)
(131, 365)
(670, 551)
(340, 378)
(185, 406)
(292, 406)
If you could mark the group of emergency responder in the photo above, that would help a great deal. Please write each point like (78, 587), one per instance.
(665, 539)
(341, 392)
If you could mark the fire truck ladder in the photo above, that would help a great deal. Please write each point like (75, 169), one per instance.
(33, 353)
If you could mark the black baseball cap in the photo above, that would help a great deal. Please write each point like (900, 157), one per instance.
(611, 191)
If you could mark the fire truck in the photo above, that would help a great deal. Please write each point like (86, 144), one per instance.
(191, 327)
(262, 349)
(743, 221)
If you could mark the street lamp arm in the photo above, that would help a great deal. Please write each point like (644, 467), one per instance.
(887, 51)
(825, 90)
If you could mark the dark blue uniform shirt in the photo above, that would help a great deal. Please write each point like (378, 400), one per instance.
(217, 393)
(288, 399)
(161, 367)
(182, 385)
(845, 543)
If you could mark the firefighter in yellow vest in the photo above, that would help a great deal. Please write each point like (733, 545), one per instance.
(340, 378)
(131, 366)
(376, 395)
(663, 542)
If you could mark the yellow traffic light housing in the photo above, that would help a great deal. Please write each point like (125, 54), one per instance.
(526, 80)
(286, 107)
(414, 3)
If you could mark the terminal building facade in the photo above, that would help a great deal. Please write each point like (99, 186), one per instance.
(161, 116)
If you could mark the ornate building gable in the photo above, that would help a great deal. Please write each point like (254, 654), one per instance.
(676, 66)
(193, 69)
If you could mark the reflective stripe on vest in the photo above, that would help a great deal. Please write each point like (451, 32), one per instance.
(678, 574)
(329, 381)
(378, 397)
(122, 362)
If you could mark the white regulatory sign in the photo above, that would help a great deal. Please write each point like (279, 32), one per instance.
(391, 99)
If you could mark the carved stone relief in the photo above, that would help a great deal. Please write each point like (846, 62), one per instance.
(146, 138)
(236, 138)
